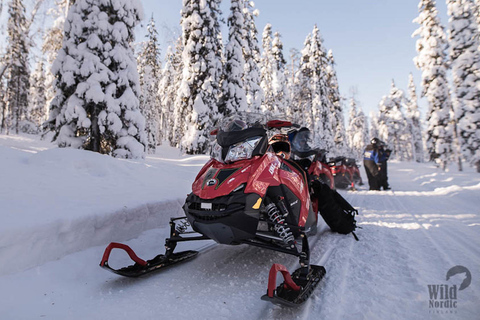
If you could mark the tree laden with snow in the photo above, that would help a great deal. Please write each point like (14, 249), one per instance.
(280, 83)
(96, 105)
(312, 98)
(251, 56)
(357, 131)
(17, 72)
(167, 92)
(37, 109)
(234, 99)
(338, 124)
(202, 57)
(414, 126)
(431, 60)
(52, 41)
(149, 70)
(266, 71)
(392, 125)
(464, 40)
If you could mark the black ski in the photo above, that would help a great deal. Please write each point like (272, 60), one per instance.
(293, 295)
(142, 267)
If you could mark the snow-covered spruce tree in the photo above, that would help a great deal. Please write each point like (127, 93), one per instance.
(373, 131)
(357, 131)
(414, 126)
(301, 102)
(464, 41)
(18, 72)
(149, 70)
(338, 122)
(179, 110)
(167, 92)
(280, 84)
(392, 125)
(314, 102)
(251, 56)
(432, 61)
(37, 109)
(290, 72)
(202, 57)
(266, 72)
(52, 43)
(96, 105)
(233, 98)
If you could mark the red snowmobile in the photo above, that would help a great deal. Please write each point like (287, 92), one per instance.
(345, 172)
(247, 194)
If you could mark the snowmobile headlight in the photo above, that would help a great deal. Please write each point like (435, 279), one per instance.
(242, 150)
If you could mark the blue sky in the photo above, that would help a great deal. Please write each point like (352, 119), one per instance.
(371, 40)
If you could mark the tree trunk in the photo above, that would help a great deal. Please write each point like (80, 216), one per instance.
(95, 138)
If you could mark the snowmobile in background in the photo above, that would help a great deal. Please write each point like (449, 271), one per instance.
(345, 172)
(247, 194)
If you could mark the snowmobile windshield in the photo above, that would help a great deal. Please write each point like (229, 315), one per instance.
(240, 137)
(240, 127)
(301, 142)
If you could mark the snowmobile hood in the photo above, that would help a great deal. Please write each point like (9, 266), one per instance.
(253, 175)
(219, 179)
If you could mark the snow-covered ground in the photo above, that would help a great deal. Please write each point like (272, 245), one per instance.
(60, 207)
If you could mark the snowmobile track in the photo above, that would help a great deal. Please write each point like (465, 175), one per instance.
(437, 247)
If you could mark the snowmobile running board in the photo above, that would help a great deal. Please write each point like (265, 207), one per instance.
(142, 267)
(292, 293)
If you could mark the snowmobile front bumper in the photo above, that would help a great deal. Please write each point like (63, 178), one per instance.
(228, 219)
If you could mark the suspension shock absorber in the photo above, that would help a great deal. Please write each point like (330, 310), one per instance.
(283, 231)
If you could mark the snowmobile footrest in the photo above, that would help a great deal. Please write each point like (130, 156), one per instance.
(296, 289)
(142, 267)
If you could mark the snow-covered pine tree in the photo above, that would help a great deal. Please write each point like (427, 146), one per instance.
(266, 71)
(392, 125)
(357, 131)
(178, 113)
(414, 126)
(290, 72)
(280, 81)
(202, 58)
(314, 94)
(464, 41)
(167, 93)
(37, 109)
(251, 56)
(338, 122)
(149, 70)
(233, 97)
(432, 61)
(302, 103)
(18, 72)
(96, 105)
(373, 131)
(52, 42)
